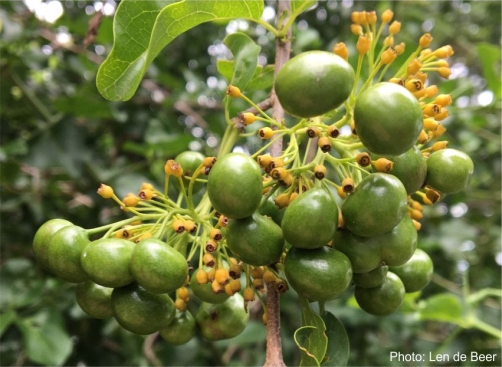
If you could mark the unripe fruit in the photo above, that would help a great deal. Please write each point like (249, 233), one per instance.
(384, 299)
(235, 185)
(314, 83)
(449, 170)
(388, 118)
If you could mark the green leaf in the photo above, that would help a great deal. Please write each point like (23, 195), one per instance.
(315, 343)
(489, 55)
(143, 28)
(262, 79)
(45, 339)
(245, 52)
(443, 307)
(338, 349)
(6, 319)
(301, 5)
(302, 339)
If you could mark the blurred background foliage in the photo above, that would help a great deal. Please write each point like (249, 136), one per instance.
(60, 139)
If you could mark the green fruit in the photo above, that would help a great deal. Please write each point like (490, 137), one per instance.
(158, 267)
(64, 252)
(181, 330)
(364, 254)
(235, 185)
(388, 118)
(313, 83)
(269, 209)
(256, 240)
(416, 273)
(189, 161)
(140, 311)
(410, 167)
(310, 221)
(372, 279)
(204, 292)
(376, 206)
(94, 299)
(321, 274)
(224, 320)
(398, 245)
(368, 253)
(449, 171)
(383, 300)
(42, 239)
(107, 262)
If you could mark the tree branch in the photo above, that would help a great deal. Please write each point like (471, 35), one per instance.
(283, 49)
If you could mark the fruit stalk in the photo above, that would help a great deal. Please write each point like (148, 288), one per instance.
(282, 53)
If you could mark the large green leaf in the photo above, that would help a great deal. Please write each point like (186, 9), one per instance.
(45, 339)
(311, 338)
(245, 52)
(489, 55)
(143, 28)
(6, 319)
(338, 349)
(443, 307)
(262, 79)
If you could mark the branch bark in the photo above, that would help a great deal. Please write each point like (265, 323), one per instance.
(274, 356)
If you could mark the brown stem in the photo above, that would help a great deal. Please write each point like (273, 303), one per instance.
(283, 49)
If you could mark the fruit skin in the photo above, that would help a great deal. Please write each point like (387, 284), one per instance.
(224, 320)
(107, 262)
(94, 299)
(269, 209)
(383, 300)
(140, 311)
(416, 273)
(371, 279)
(392, 248)
(42, 239)
(376, 206)
(181, 330)
(64, 252)
(313, 83)
(388, 118)
(449, 170)
(321, 274)
(410, 167)
(158, 267)
(310, 221)
(235, 185)
(204, 292)
(189, 161)
(256, 240)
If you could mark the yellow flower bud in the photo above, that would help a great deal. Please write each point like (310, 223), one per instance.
(431, 91)
(415, 214)
(363, 44)
(439, 145)
(105, 191)
(388, 56)
(320, 171)
(173, 168)
(397, 81)
(395, 27)
(431, 109)
(130, 200)
(414, 67)
(425, 52)
(247, 118)
(356, 29)
(348, 185)
(417, 225)
(265, 133)
(147, 185)
(444, 72)
(233, 91)
(355, 17)
(430, 124)
(281, 200)
(383, 165)
(342, 195)
(388, 41)
(324, 143)
(400, 48)
(363, 159)
(425, 40)
(145, 194)
(442, 114)
(423, 138)
(341, 50)
(371, 17)
(387, 16)
(444, 52)
(438, 132)
(414, 85)
(443, 100)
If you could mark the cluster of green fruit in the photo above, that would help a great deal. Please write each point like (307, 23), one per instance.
(321, 223)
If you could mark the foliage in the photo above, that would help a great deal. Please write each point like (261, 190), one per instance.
(60, 139)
